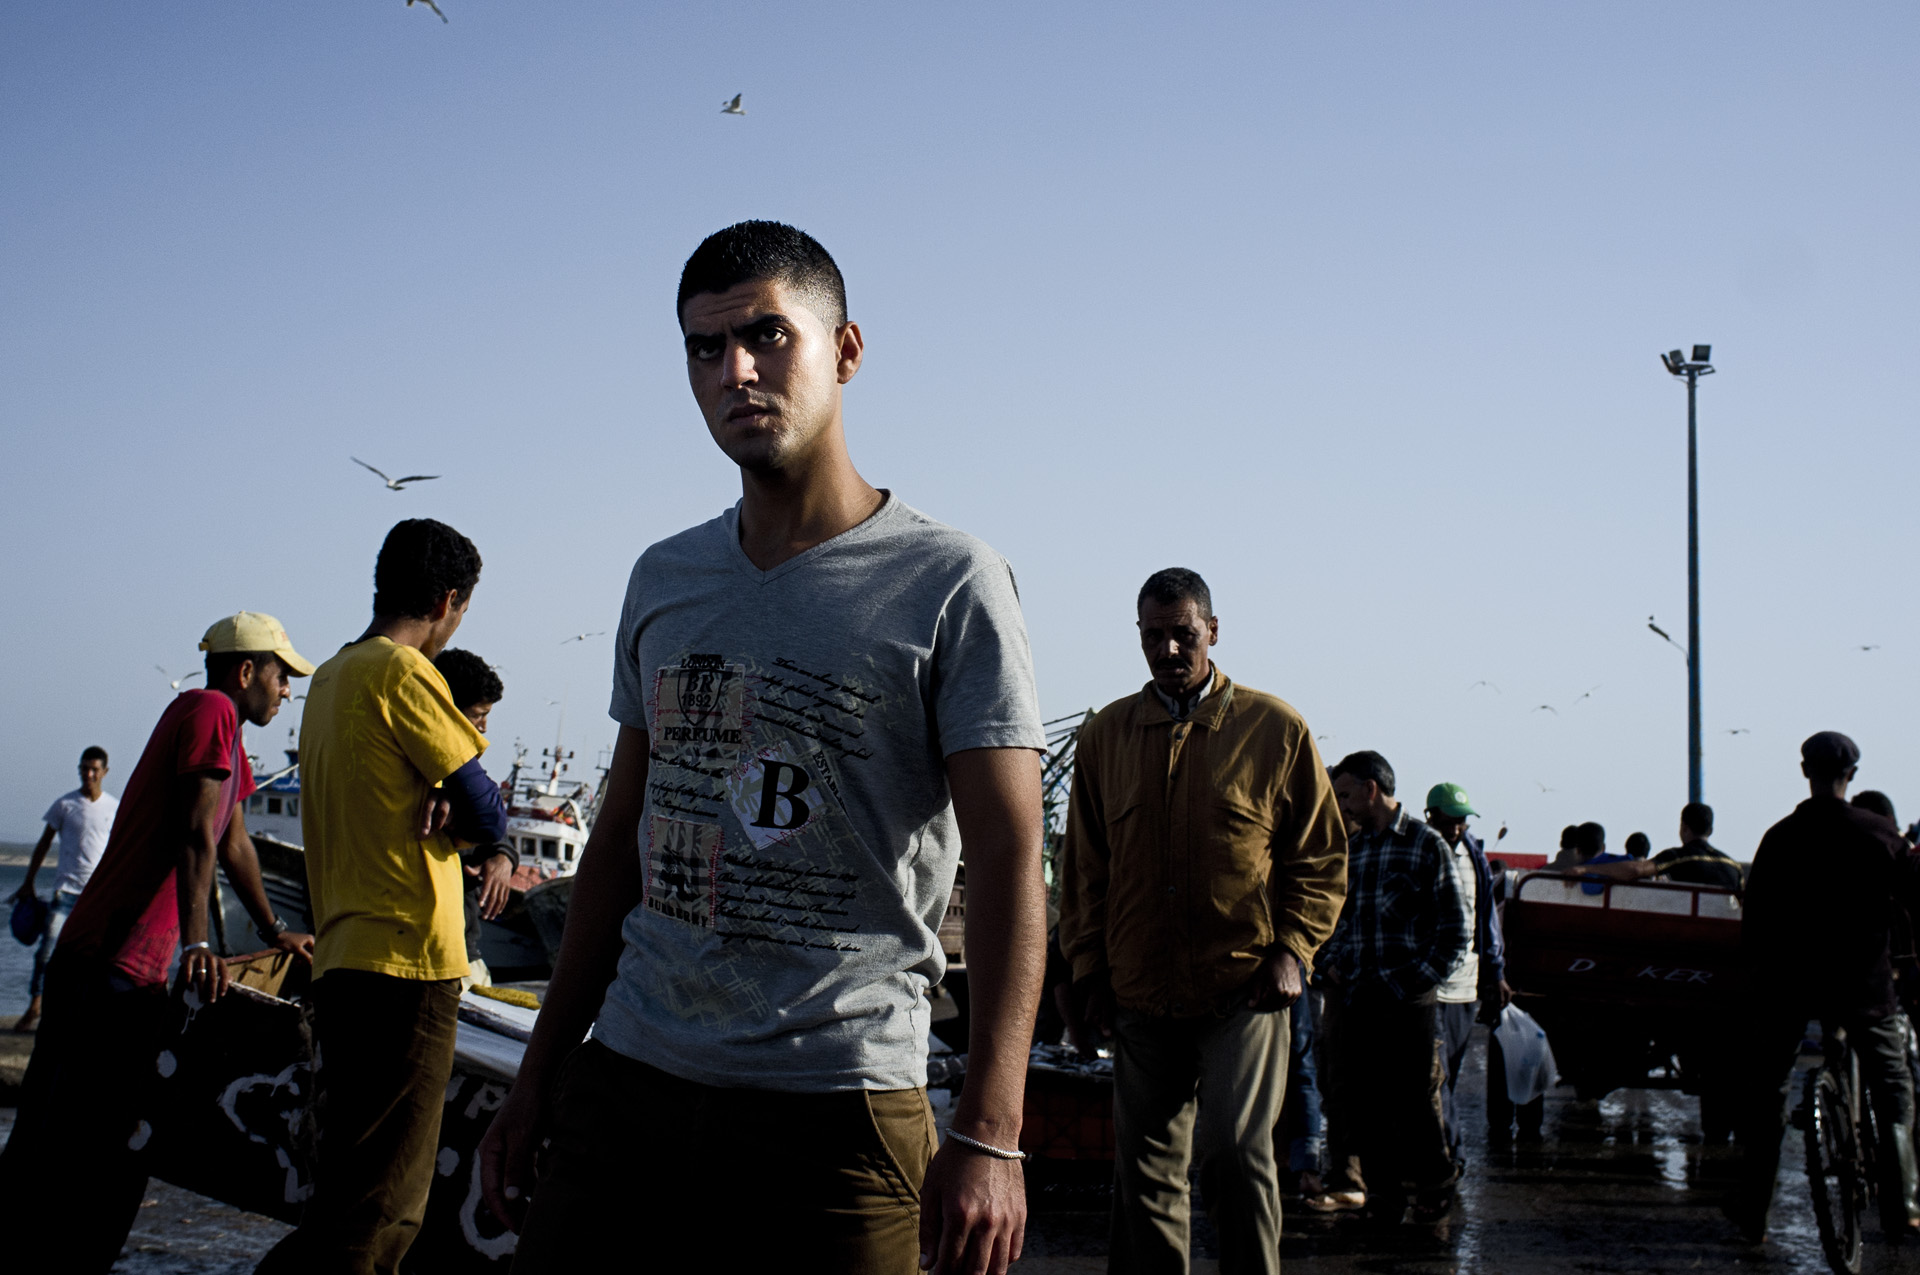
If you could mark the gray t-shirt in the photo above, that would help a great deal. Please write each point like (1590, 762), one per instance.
(798, 839)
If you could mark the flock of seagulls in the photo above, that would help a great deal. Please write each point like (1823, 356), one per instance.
(1654, 625)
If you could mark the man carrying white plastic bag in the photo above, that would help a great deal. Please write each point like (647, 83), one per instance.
(1520, 1070)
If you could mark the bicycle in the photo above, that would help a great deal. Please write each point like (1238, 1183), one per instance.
(1842, 1151)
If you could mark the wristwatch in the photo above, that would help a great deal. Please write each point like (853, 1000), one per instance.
(268, 933)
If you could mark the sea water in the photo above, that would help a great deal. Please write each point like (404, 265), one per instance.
(16, 960)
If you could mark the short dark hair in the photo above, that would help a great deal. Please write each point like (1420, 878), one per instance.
(93, 752)
(1878, 802)
(771, 250)
(470, 679)
(1638, 847)
(221, 663)
(1569, 836)
(1590, 837)
(1175, 585)
(1698, 817)
(419, 562)
(1363, 766)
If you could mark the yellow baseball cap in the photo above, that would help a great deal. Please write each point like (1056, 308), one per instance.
(252, 631)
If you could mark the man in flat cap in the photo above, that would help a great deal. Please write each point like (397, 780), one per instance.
(75, 1154)
(1820, 901)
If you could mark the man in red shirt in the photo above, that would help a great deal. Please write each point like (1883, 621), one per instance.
(75, 1151)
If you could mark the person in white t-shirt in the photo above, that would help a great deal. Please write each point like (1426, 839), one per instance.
(81, 819)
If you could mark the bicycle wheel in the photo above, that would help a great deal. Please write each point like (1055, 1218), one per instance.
(1833, 1171)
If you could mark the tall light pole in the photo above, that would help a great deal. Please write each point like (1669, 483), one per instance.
(1691, 370)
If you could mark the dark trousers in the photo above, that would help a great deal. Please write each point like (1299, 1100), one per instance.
(645, 1170)
(1344, 1170)
(1774, 1045)
(73, 1174)
(383, 1054)
(1456, 1033)
(1388, 1070)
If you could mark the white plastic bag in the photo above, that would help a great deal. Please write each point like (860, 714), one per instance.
(1529, 1058)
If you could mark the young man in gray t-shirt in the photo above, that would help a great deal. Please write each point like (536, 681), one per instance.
(819, 692)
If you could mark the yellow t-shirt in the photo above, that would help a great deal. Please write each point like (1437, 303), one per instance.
(381, 729)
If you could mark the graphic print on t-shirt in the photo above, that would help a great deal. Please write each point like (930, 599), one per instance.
(747, 832)
(768, 792)
(682, 858)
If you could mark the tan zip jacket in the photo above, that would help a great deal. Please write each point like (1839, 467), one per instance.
(1193, 848)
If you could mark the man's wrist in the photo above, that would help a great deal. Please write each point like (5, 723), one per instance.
(999, 1131)
(270, 932)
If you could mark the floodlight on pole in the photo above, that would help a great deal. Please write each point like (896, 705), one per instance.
(1691, 372)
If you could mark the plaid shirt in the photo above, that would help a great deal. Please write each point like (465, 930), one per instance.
(1403, 924)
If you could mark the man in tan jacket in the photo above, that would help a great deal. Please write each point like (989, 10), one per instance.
(1205, 863)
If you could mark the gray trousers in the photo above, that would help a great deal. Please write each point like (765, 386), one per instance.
(1224, 1080)
(1456, 1033)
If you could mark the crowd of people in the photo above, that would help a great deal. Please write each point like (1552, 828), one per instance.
(819, 694)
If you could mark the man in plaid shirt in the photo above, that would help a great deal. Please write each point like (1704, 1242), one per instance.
(1401, 930)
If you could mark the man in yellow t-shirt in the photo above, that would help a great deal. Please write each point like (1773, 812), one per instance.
(392, 787)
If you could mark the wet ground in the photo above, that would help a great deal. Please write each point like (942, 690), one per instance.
(1622, 1185)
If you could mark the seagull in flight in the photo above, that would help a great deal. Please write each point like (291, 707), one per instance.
(394, 484)
(1586, 694)
(175, 682)
(1873, 647)
(1483, 682)
(431, 5)
(1739, 730)
(726, 108)
(1543, 788)
(1546, 708)
(581, 637)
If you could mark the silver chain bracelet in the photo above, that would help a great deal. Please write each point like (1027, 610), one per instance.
(998, 1153)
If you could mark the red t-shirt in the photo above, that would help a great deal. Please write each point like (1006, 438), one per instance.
(129, 913)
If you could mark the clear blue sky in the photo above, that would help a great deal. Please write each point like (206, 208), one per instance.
(1353, 308)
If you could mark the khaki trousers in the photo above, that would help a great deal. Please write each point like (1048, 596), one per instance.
(649, 1172)
(1219, 1082)
(383, 1054)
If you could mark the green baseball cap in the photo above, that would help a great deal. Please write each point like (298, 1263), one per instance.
(1450, 799)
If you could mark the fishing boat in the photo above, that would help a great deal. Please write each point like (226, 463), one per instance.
(549, 816)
